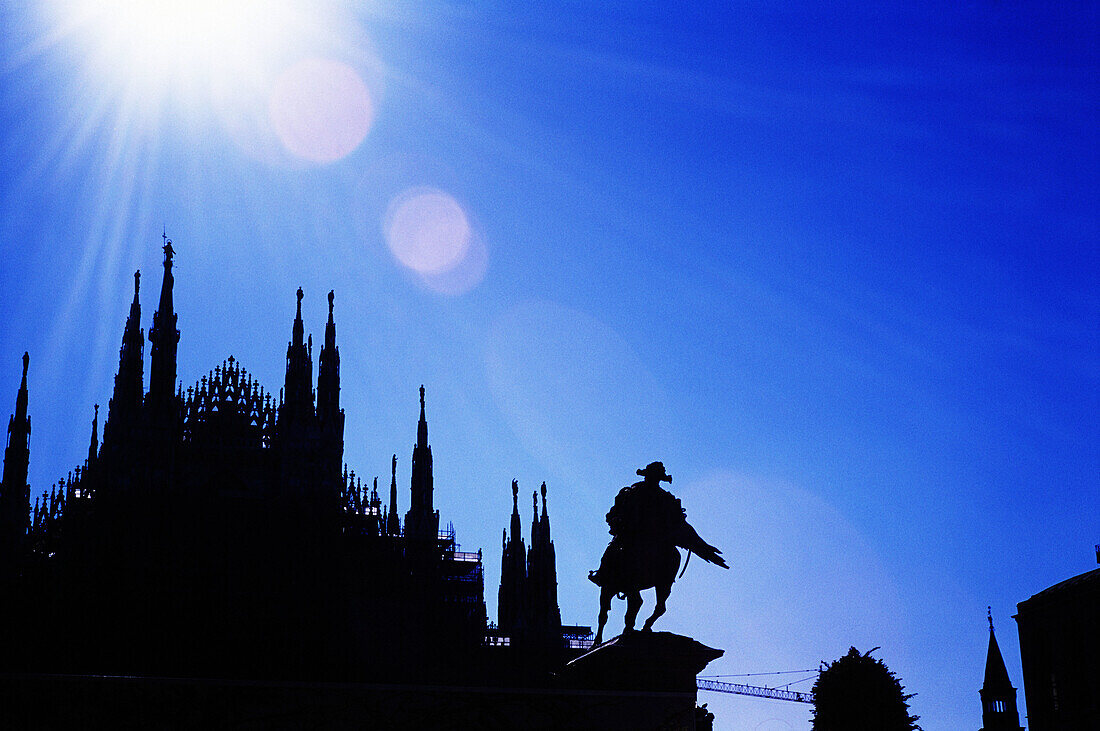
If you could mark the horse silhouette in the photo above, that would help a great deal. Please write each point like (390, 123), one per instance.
(651, 565)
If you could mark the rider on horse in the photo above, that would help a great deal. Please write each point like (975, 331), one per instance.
(646, 523)
(645, 519)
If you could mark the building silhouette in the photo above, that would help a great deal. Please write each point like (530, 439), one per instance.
(214, 562)
(998, 696)
(216, 532)
(527, 603)
(1060, 653)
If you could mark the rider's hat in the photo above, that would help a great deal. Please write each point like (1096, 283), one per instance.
(655, 470)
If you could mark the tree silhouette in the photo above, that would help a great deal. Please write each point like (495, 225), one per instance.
(859, 692)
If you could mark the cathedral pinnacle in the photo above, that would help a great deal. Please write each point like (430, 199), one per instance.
(129, 390)
(164, 336)
(93, 446)
(299, 328)
(392, 526)
(20, 419)
(14, 492)
(422, 426)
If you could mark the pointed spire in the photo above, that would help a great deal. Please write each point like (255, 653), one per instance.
(21, 396)
(515, 529)
(14, 490)
(544, 617)
(422, 426)
(164, 337)
(19, 430)
(422, 520)
(328, 376)
(299, 329)
(544, 523)
(393, 526)
(512, 600)
(93, 446)
(999, 711)
(129, 390)
(299, 370)
(996, 675)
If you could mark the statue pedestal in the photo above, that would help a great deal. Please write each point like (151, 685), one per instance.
(642, 661)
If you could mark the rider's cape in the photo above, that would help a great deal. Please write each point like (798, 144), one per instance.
(686, 538)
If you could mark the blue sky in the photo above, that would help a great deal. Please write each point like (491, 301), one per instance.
(837, 268)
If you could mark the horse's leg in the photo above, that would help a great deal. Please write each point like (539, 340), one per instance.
(605, 606)
(662, 594)
(633, 604)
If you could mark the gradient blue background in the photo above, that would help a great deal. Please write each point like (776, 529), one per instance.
(837, 268)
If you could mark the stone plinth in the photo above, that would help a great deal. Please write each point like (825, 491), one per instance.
(648, 661)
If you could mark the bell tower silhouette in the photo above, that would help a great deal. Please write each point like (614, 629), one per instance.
(998, 696)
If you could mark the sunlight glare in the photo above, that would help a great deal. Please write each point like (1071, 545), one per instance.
(163, 47)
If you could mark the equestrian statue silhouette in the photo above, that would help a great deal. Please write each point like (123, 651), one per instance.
(647, 524)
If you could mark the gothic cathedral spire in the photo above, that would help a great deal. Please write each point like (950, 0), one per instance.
(998, 696)
(542, 579)
(422, 520)
(93, 445)
(14, 490)
(393, 527)
(329, 414)
(299, 370)
(164, 337)
(328, 375)
(129, 388)
(512, 598)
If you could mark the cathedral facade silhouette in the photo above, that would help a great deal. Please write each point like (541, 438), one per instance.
(216, 532)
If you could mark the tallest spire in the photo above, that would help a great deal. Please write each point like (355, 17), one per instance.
(164, 337)
(422, 426)
(422, 520)
(19, 430)
(299, 328)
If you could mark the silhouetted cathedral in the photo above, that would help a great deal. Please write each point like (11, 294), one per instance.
(213, 562)
(216, 532)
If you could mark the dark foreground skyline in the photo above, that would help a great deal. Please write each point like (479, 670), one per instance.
(836, 269)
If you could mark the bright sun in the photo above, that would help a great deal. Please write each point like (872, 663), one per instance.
(285, 77)
(188, 47)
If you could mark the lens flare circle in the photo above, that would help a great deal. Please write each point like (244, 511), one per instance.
(320, 109)
(428, 231)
